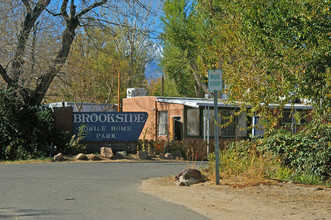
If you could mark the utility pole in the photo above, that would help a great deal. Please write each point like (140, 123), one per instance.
(119, 92)
(162, 85)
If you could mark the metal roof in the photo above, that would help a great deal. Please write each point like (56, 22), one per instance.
(84, 107)
(202, 102)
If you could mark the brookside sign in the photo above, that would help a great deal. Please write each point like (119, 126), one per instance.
(110, 126)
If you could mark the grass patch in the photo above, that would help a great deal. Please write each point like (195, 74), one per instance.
(40, 160)
(242, 164)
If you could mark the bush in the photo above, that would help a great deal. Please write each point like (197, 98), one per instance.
(178, 147)
(308, 152)
(276, 157)
(25, 131)
(244, 162)
(74, 146)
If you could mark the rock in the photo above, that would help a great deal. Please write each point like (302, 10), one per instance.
(161, 155)
(178, 154)
(59, 157)
(142, 155)
(81, 157)
(179, 174)
(93, 157)
(151, 156)
(106, 152)
(189, 176)
(168, 156)
(186, 182)
(193, 173)
(121, 153)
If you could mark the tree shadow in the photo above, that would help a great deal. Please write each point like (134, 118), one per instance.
(12, 212)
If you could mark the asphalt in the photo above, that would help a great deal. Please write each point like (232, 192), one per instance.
(86, 191)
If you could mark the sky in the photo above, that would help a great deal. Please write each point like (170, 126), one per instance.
(152, 70)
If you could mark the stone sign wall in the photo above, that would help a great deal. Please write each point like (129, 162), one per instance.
(110, 126)
(118, 130)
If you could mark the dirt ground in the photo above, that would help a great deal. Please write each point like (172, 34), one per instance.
(265, 201)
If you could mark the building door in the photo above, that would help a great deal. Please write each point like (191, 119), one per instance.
(177, 128)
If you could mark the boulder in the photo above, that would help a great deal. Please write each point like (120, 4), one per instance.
(178, 154)
(193, 173)
(186, 182)
(81, 157)
(189, 176)
(59, 157)
(106, 152)
(142, 155)
(93, 157)
(121, 153)
(161, 156)
(168, 156)
(179, 174)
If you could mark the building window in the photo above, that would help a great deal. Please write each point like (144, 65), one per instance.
(295, 117)
(258, 129)
(287, 118)
(228, 123)
(232, 125)
(163, 123)
(242, 125)
(210, 124)
(193, 122)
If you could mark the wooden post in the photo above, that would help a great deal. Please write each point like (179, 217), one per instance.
(155, 109)
(162, 85)
(119, 92)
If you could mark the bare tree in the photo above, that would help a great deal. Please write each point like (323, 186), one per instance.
(136, 23)
(13, 63)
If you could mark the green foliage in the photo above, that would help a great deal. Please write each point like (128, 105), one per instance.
(304, 158)
(271, 52)
(309, 151)
(244, 160)
(181, 47)
(74, 146)
(170, 88)
(178, 147)
(25, 131)
(293, 37)
(143, 145)
(92, 69)
(308, 178)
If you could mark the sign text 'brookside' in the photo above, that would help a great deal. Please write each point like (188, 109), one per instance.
(110, 126)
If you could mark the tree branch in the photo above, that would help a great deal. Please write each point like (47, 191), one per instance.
(23, 36)
(27, 5)
(72, 9)
(64, 9)
(8, 80)
(52, 13)
(197, 78)
(94, 5)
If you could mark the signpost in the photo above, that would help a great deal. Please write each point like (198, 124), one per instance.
(215, 84)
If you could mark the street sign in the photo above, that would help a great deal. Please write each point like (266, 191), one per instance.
(215, 80)
(215, 83)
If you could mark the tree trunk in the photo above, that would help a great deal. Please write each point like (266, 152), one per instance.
(197, 78)
(45, 80)
(12, 77)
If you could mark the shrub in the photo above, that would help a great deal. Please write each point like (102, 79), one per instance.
(25, 131)
(74, 146)
(308, 152)
(178, 147)
(243, 161)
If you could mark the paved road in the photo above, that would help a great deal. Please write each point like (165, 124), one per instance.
(85, 191)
